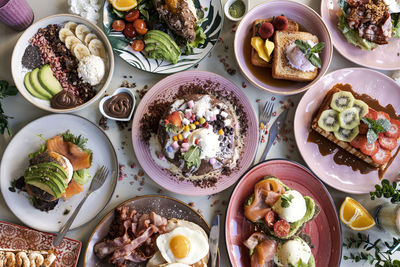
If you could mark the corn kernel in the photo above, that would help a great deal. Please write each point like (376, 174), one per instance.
(221, 132)
(202, 120)
(186, 128)
(175, 138)
(196, 123)
(180, 137)
(262, 126)
(192, 126)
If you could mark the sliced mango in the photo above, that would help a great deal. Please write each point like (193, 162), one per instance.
(258, 44)
(269, 47)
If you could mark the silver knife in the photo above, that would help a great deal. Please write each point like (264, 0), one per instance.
(213, 241)
(274, 131)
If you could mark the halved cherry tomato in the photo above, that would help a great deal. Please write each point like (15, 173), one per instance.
(358, 141)
(118, 25)
(270, 218)
(382, 156)
(131, 16)
(281, 228)
(140, 26)
(372, 114)
(137, 45)
(369, 149)
(387, 142)
(394, 130)
(129, 31)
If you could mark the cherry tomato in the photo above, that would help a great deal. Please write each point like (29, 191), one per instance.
(270, 218)
(118, 25)
(137, 45)
(132, 15)
(129, 31)
(140, 26)
(281, 228)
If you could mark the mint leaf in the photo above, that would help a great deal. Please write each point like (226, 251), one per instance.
(317, 48)
(368, 122)
(384, 123)
(315, 60)
(192, 157)
(371, 136)
(310, 52)
(171, 128)
(303, 46)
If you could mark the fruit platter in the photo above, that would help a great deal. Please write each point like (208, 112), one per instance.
(199, 133)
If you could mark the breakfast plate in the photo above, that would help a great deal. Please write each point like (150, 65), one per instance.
(211, 23)
(15, 160)
(363, 81)
(14, 236)
(324, 229)
(306, 18)
(162, 205)
(160, 97)
(384, 57)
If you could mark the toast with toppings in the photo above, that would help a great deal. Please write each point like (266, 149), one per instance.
(281, 68)
(255, 58)
(378, 153)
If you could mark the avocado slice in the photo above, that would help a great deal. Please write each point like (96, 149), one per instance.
(30, 88)
(46, 185)
(156, 40)
(34, 79)
(48, 81)
(50, 165)
(48, 174)
(81, 176)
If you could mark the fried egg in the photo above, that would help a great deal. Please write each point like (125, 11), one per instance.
(175, 265)
(183, 245)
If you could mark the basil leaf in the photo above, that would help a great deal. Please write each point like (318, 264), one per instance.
(371, 136)
(317, 48)
(315, 60)
(384, 123)
(303, 46)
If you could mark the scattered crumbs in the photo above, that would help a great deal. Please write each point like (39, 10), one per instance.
(117, 196)
(140, 188)
(66, 212)
(122, 174)
(142, 182)
(127, 84)
(12, 189)
(131, 183)
(209, 55)
(262, 139)
(258, 100)
(124, 76)
(133, 165)
(136, 178)
(130, 76)
(59, 222)
(274, 113)
(103, 123)
(273, 98)
(143, 91)
(191, 204)
(141, 172)
(223, 202)
(159, 191)
(196, 66)
(200, 211)
(122, 125)
(398, 54)
(231, 71)
(244, 85)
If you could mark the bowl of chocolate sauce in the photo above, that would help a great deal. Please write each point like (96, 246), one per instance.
(118, 106)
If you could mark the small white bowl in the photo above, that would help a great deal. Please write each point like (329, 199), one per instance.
(229, 3)
(119, 90)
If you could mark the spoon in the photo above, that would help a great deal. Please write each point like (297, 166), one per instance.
(229, 3)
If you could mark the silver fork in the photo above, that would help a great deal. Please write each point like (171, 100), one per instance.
(97, 182)
(266, 115)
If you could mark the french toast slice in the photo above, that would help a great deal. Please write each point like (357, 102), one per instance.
(255, 59)
(281, 68)
(345, 145)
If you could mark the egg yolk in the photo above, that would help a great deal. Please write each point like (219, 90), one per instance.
(180, 246)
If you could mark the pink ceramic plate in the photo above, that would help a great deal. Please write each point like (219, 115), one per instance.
(384, 57)
(14, 236)
(165, 90)
(324, 230)
(363, 81)
(306, 17)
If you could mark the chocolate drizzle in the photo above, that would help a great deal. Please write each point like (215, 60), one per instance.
(64, 100)
(118, 106)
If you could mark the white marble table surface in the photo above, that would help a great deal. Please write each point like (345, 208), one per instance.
(23, 112)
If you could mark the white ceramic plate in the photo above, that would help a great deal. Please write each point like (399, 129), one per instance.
(15, 160)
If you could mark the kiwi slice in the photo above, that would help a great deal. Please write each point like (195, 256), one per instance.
(342, 100)
(329, 120)
(346, 135)
(348, 118)
(361, 106)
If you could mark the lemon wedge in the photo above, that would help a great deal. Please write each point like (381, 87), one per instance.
(123, 5)
(355, 216)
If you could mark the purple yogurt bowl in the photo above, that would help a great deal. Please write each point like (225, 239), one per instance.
(308, 20)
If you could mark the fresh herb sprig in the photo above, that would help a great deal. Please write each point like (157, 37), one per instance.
(286, 200)
(5, 90)
(375, 128)
(311, 52)
(386, 190)
(375, 252)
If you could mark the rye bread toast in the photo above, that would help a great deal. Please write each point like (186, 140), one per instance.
(345, 145)
(255, 59)
(281, 68)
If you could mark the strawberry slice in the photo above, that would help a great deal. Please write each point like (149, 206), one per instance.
(383, 115)
(382, 156)
(359, 141)
(372, 114)
(363, 128)
(388, 143)
(369, 149)
(175, 118)
(394, 130)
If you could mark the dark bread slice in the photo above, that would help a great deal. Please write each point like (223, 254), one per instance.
(281, 68)
(345, 145)
(255, 59)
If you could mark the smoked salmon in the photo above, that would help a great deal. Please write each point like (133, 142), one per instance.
(266, 193)
(79, 158)
(73, 188)
(263, 249)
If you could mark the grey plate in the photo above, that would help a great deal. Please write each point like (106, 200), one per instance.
(162, 205)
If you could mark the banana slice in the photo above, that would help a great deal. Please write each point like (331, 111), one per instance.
(80, 51)
(64, 33)
(70, 26)
(90, 37)
(81, 31)
(70, 41)
(96, 47)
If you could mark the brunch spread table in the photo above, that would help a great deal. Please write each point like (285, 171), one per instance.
(133, 181)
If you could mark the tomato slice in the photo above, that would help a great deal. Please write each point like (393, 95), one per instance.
(118, 25)
(270, 218)
(137, 45)
(281, 228)
(132, 15)
(140, 26)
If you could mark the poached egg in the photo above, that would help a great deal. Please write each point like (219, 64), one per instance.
(294, 210)
(292, 252)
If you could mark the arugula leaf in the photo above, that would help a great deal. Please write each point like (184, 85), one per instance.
(311, 52)
(317, 48)
(200, 37)
(119, 14)
(395, 17)
(192, 157)
(343, 4)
